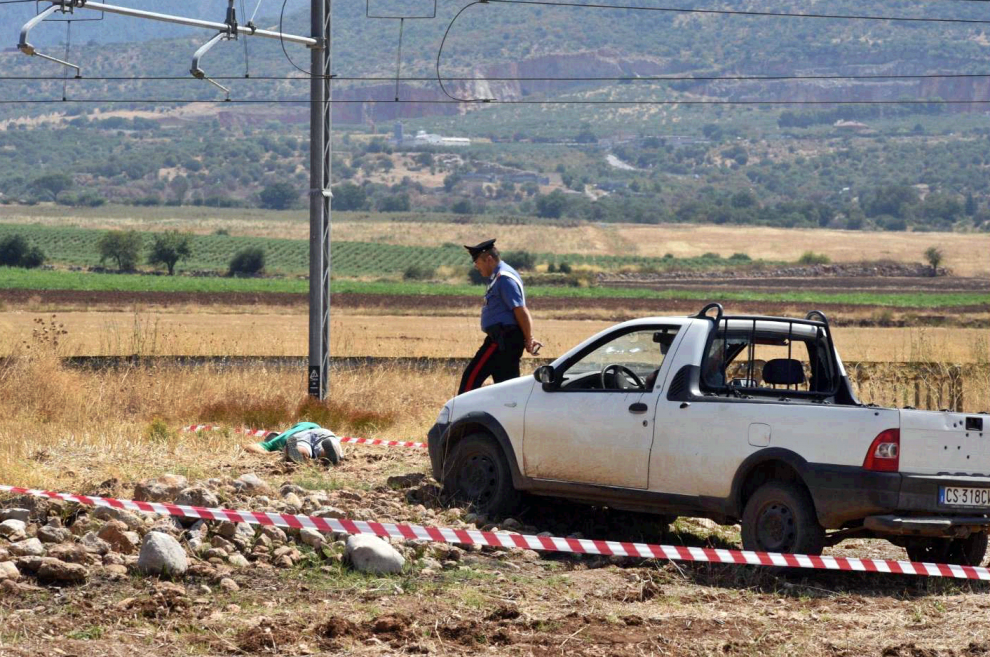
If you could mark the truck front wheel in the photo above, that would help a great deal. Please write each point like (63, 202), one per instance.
(967, 551)
(780, 517)
(478, 473)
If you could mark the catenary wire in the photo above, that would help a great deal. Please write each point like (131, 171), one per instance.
(735, 12)
(496, 78)
(349, 101)
(443, 41)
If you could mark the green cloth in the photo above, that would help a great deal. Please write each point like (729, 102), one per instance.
(278, 442)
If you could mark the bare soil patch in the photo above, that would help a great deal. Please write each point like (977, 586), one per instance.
(974, 316)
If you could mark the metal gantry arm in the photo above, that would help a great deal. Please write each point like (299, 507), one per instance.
(215, 26)
(25, 47)
(198, 72)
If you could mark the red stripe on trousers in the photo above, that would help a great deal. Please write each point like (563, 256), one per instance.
(477, 368)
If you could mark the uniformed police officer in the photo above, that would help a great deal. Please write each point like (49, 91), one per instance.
(505, 320)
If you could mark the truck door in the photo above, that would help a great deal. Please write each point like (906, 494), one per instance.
(595, 424)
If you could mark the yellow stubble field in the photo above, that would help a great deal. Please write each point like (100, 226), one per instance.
(285, 334)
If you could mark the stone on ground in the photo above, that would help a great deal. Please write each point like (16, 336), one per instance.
(24, 515)
(162, 555)
(311, 537)
(120, 539)
(50, 534)
(160, 489)
(8, 570)
(31, 547)
(55, 571)
(197, 496)
(370, 554)
(13, 530)
(251, 484)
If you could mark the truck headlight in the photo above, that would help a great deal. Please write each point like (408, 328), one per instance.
(444, 416)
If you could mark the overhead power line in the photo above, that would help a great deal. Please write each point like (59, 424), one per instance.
(498, 78)
(389, 101)
(734, 12)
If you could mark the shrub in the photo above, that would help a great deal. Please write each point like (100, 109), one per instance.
(247, 262)
(564, 268)
(521, 260)
(475, 277)
(462, 206)
(394, 203)
(740, 257)
(15, 251)
(812, 258)
(419, 273)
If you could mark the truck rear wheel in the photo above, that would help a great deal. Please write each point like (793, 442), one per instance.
(968, 551)
(478, 473)
(780, 517)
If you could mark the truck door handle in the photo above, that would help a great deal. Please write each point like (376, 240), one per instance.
(638, 407)
(685, 404)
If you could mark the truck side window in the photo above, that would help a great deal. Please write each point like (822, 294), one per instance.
(627, 362)
(768, 361)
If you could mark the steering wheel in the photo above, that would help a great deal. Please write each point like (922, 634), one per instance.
(626, 372)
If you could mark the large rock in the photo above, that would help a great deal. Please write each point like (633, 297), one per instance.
(8, 570)
(251, 484)
(31, 547)
(160, 489)
(162, 555)
(13, 530)
(370, 554)
(24, 515)
(197, 496)
(55, 571)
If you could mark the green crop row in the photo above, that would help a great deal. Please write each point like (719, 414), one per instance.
(34, 279)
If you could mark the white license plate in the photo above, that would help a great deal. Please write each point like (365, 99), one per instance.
(960, 496)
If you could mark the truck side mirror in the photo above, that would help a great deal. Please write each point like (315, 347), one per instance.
(545, 375)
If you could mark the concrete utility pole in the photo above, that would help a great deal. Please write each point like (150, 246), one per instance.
(320, 145)
(320, 126)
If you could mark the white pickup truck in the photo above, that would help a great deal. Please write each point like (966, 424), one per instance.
(734, 418)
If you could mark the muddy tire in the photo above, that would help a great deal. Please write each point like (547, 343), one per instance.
(968, 551)
(780, 517)
(477, 473)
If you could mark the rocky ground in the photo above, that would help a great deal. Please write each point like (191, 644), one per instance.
(85, 581)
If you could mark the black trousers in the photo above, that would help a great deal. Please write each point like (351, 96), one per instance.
(499, 362)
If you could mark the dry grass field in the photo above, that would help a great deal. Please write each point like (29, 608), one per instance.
(284, 334)
(99, 432)
(966, 254)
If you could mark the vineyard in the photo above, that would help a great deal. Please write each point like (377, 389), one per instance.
(34, 279)
(78, 247)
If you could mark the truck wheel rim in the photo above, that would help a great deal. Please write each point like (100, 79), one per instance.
(775, 528)
(479, 480)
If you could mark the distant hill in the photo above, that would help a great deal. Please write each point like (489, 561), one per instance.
(497, 39)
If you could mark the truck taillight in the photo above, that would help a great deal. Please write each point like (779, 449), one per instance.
(885, 452)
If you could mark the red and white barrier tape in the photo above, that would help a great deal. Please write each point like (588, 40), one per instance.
(542, 543)
(261, 433)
